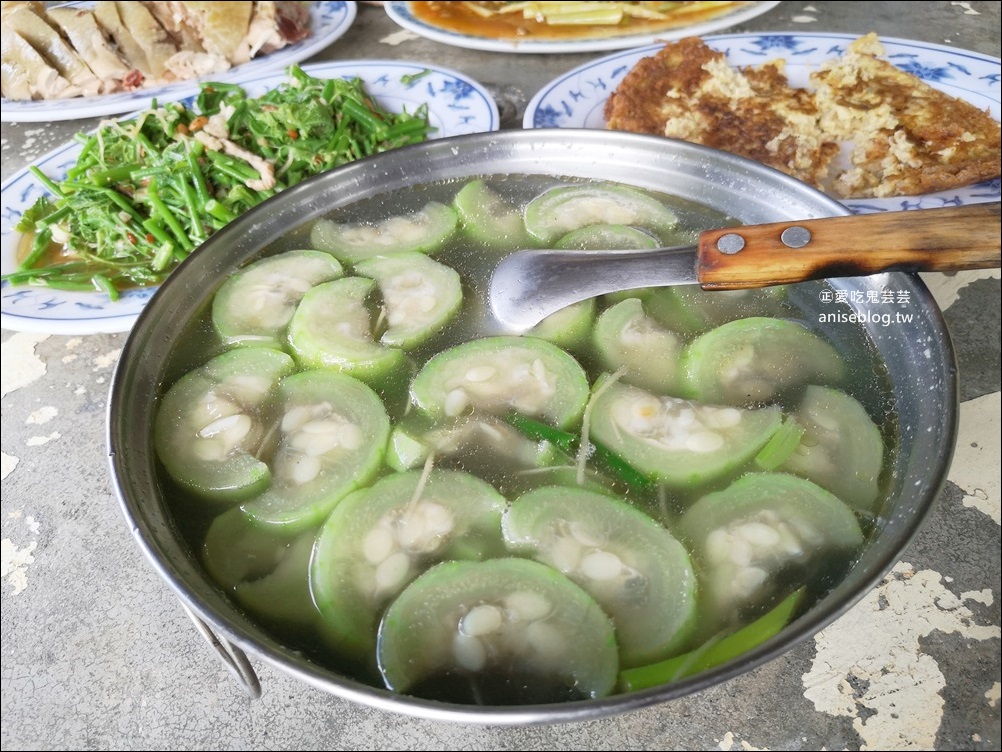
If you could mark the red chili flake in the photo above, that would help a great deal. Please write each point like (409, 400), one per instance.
(199, 122)
(149, 237)
(293, 134)
(132, 238)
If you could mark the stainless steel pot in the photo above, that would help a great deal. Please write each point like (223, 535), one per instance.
(917, 354)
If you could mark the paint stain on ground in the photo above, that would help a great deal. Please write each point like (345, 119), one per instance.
(975, 460)
(945, 288)
(107, 360)
(727, 744)
(14, 559)
(992, 695)
(7, 464)
(14, 563)
(71, 344)
(968, 10)
(870, 666)
(40, 440)
(399, 37)
(41, 416)
(21, 365)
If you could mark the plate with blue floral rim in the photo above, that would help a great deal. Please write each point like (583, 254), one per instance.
(404, 16)
(457, 106)
(577, 98)
(328, 22)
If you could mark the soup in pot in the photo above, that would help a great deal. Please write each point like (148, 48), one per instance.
(643, 486)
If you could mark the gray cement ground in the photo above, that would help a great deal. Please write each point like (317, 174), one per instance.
(98, 654)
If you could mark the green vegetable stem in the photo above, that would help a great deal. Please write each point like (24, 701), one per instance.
(146, 191)
(569, 443)
(715, 651)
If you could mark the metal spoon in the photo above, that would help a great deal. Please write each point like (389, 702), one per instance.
(527, 286)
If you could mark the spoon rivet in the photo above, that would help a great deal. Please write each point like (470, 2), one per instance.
(730, 243)
(795, 237)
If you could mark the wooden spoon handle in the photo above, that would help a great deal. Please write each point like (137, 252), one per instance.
(941, 240)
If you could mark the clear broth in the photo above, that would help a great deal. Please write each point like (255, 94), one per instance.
(474, 261)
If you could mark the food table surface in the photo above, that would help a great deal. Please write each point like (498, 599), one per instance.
(99, 654)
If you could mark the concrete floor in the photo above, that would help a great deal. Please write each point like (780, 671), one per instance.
(97, 652)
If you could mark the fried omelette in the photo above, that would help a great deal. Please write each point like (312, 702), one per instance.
(902, 136)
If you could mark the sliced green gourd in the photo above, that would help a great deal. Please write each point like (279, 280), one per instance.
(380, 538)
(754, 360)
(636, 570)
(500, 374)
(255, 305)
(751, 538)
(679, 443)
(625, 336)
(604, 237)
(331, 440)
(486, 445)
(420, 296)
(558, 211)
(332, 328)
(423, 231)
(563, 474)
(569, 327)
(512, 629)
(282, 598)
(841, 449)
(211, 429)
(780, 446)
(715, 651)
(486, 217)
(690, 310)
(407, 448)
(264, 569)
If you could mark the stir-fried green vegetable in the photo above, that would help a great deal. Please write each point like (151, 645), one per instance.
(146, 191)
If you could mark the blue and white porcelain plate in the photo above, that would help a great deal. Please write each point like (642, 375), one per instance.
(401, 13)
(328, 22)
(577, 99)
(457, 105)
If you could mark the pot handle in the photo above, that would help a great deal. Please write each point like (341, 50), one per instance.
(946, 239)
(232, 657)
